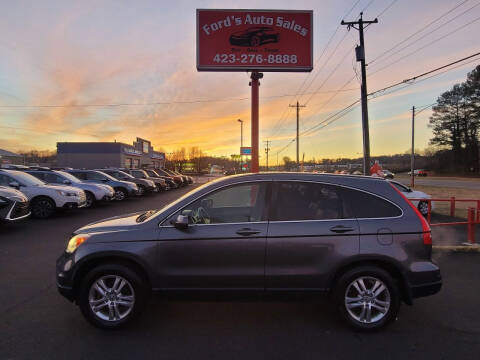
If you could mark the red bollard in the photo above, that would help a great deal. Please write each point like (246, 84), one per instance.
(471, 225)
(478, 211)
(452, 206)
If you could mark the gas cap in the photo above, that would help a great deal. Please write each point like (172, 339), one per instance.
(385, 236)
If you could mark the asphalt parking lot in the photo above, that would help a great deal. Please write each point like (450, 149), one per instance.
(37, 323)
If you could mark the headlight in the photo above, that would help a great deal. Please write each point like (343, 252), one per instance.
(75, 242)
(134, 186)
(151, 183)
(66, 193)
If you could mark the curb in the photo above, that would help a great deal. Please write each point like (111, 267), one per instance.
(466, 248)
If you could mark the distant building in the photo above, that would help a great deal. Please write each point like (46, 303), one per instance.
(92, 155)
(8, 157)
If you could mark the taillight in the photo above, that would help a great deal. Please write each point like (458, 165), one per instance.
(426, 230)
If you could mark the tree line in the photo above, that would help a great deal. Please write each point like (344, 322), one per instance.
(455, 124)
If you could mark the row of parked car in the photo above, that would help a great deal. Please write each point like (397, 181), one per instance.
(40, 191)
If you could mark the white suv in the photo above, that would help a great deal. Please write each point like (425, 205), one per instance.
(44, 199)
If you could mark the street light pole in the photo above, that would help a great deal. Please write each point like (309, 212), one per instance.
(241, 142)
(241, 132)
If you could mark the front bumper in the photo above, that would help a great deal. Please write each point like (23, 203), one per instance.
(107, 198)
(15, 211)
(64, 267)
(74, 205)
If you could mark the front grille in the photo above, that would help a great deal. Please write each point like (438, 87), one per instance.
(20, 209)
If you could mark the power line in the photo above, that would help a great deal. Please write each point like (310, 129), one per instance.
(45, 131)
(284, 116)
(424, 74)
(408, 82)
(418, 31)
(26, 106)
(280, 122)
(426, 45)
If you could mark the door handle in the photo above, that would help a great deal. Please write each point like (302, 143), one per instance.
(247, 232)
(341, 229)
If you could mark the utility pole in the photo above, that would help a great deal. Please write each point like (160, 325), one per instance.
(298, 106)
(267, 149)
(412, 159)
(360, 54)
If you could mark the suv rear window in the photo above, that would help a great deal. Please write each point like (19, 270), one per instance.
(365, 205)
(296, 201)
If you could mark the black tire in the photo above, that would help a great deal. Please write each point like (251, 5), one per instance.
(42, 207)
(367, 273)
(138, 284)
(120, 194)
(90, 199)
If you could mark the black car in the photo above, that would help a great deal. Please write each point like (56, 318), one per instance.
(13, 205)
(356, 238)
(178, 179)
(254, 36)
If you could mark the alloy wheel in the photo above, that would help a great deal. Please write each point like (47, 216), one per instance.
(119, 195)
(423, 208)
(111, 298)
(367, 299)
(90, 200)
(43, 208)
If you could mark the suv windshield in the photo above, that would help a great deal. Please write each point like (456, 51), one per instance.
(25, 178)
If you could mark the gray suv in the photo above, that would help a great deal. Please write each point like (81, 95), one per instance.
(122, 189)
(356, 238)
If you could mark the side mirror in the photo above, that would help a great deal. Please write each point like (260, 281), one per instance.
(14, 184)
(67, 182)
(181, 222)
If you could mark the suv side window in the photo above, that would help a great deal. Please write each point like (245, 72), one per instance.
(366, 205)
(138, 174)
(78, 174)
(5, 180)
(295, 201)
(38, 175)
(52, 178)
(234, 204)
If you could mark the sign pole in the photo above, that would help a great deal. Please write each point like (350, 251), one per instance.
(255, 84)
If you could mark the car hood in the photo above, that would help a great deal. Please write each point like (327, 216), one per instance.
(116, 223)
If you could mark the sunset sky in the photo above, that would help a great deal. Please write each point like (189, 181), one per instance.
(107, 53)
